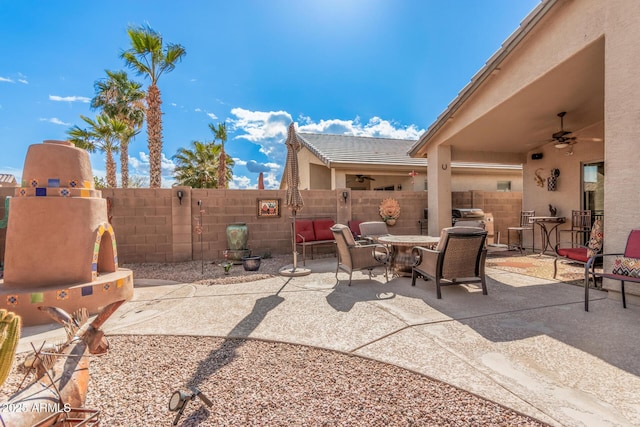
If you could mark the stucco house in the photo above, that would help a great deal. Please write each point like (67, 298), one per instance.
(8, 180)
(577, 57)
(328, 162)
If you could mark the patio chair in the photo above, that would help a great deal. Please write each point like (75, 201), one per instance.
(354, 256)
(525, 226)
(581, 224)
(459, 258)
(626, 267)
(577, 253)
(371, 230)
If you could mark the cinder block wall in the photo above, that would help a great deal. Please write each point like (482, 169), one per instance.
(153, 225)
(365, 204)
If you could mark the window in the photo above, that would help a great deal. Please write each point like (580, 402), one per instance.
(504, 185)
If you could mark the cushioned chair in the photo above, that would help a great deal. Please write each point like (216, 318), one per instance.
(581, 224)
(626, 267)
(577, 253)
(525, 226)
(371, 230)
(354, 256)
(459, 258)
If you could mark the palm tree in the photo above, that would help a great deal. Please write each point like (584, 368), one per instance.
(103, 134)
(121, 98)
(149, 57)
(197, 168)
(220, 133)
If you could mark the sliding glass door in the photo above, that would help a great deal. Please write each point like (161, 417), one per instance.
(593, 188)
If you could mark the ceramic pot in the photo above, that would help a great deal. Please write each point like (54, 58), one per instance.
(251, 263)
(391, 221)
(237, 236)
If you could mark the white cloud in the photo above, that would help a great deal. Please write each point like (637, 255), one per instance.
(23, 81)
(376, 127)
(212, 116)
(271, 181)
(6, 80)
(197, 110)
(55, 121)
(69, 98)
(239, 162)
(241, 182)
(140, 165)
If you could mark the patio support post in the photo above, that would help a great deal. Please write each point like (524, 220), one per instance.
(439, 192)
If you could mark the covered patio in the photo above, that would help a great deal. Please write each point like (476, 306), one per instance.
(567, 56)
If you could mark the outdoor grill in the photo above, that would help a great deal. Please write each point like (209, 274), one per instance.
(471, 214)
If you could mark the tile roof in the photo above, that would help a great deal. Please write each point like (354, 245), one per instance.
(332, 149)
(348, 149)
(7, 178)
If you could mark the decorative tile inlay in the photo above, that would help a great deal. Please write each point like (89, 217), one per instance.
(94, 266)
(41, 191)
(85, 193)
(87, 290)
(54, 182)
(73, 183)
(37, 297)
(34, 183)
(87, 184)
(119, 283)
(22, 192)
(62, 294)
(106, 287)
(64, 192)
(12, 300)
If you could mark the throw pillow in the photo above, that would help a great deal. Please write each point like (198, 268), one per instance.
(595, 239)
(626, 266)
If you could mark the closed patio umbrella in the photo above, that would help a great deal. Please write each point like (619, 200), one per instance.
(293, 198)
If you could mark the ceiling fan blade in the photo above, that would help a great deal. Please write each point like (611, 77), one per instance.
(589, 139)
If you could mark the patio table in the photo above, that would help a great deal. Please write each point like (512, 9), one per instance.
(548, 224)
(401, 259)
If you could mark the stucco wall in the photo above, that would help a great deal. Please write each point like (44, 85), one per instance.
(151, 225)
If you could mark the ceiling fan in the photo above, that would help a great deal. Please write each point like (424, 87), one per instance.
(361, 178)
(563, 138)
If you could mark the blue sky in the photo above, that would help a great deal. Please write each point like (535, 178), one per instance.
(382, 68)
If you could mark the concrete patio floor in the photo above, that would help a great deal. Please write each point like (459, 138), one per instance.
(528, 345)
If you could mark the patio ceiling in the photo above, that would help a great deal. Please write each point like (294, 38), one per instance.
(527, 119)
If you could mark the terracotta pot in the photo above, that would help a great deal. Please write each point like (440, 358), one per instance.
(391, 221)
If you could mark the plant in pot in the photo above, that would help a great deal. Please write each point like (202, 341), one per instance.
(251, 263)
(389, 211)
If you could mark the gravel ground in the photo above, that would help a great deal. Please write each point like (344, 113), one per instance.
(208, 273)
(259, 383)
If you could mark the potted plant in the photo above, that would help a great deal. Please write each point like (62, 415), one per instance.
(389, 211)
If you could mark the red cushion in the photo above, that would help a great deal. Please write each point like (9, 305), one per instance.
(304, 227)
(577, 254)
(354, 226)
(633, 245)
(322, 228)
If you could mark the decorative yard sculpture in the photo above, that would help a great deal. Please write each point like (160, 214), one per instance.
(62, 374)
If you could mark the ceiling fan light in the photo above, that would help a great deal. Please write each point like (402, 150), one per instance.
(561, 144)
